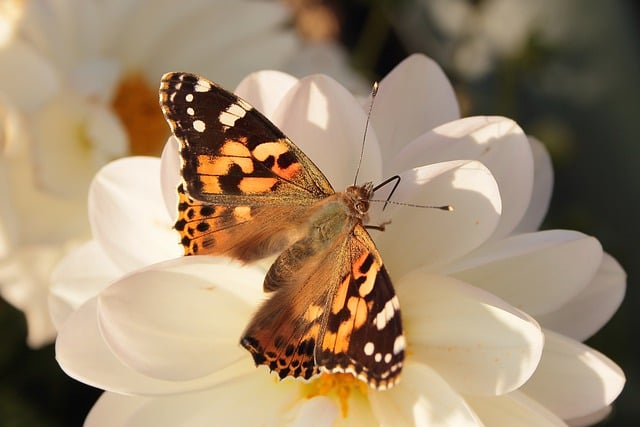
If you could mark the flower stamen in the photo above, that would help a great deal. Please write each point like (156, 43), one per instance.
(336, 386)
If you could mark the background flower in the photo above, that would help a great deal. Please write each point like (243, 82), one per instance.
(79, 83)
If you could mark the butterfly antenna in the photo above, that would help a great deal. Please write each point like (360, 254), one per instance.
(413, 205)
(374, 91)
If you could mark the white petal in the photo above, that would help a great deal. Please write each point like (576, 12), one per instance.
(107, 134)
(412, 99)
(128, 215)
(513, 409)
(170, 176)
(327, 123)
(423, 398)
(24, 283)
(28, 79)
(572, 379)
(331, 59)
(78, 277)
(251, 400)
(264, 90)
(83, 355)
(113, 409)
(496, 142)
(318, 411)
(542, 188)
(591, 419)
(536, 272)
(62, 148)
(585, 314)
(181, 319)
(417, 237)
(475, 341)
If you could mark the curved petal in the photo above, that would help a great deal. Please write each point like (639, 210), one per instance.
(327, 123)
(318, 411)
(82, 354)
(591, 419)
(226, 404)
(21, 64)
(592, 308)
(412, 99)
(128, 215)
(542, 188)
(572, 379)
(170, 176)
(513, 409)
(181, 319)
(113, 409)
(78, 277)
(423, 398)
(496, 142)
(416, 237)
(536, 272)
(24, 282)
(264, 90)
(475, 341)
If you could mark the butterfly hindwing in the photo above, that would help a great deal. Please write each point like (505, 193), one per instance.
(348, 311)
(363, 334)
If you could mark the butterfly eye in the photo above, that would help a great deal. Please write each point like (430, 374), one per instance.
(362, 207)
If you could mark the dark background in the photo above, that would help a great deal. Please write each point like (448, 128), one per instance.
(590, 123)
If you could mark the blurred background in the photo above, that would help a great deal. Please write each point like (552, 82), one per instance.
(568, 72)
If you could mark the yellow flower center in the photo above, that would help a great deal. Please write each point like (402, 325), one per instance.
(335, 386)
(136, 104)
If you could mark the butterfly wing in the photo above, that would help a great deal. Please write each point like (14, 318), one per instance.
(334, 311)
(246, 186)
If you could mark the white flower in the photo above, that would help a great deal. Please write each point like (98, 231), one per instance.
(168, 333)
(78, 88)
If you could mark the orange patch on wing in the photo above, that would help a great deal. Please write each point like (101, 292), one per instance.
(256, 185)
(370, 276)
(210, 184)
(289, 172)
(358, 310)
(341, 295)
(220, 165)
(329, 341)
(266, 149)
(235, 148)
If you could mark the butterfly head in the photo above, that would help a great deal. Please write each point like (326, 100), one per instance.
(359, 196)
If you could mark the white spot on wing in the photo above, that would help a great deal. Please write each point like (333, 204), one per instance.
(199, 125)
(188, 97)
(377, 357)
(234, 112)
(202, 86)
(387, 313)
(399, 344)
(387, 358)
(369, 348)
(190, 111)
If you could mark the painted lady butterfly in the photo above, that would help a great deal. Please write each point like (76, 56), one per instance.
(248, 192)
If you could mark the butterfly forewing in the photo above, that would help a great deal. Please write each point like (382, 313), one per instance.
(229, 149)
(249, 192)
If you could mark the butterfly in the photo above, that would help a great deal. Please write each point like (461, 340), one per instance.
(249, 192)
